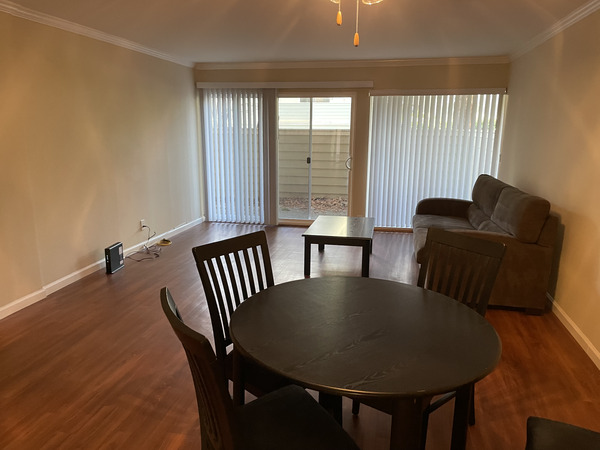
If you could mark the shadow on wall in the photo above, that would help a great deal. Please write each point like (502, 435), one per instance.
(560, 236)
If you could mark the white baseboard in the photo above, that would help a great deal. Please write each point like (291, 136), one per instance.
(21, 303)
(48, 289)
(576, 332)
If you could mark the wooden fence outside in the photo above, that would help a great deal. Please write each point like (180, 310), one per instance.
(330, 150)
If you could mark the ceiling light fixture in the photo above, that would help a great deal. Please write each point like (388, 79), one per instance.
(338, 19)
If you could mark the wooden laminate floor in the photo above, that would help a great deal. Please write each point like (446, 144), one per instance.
(96, 365)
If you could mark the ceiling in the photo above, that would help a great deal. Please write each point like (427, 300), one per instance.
(217, 31)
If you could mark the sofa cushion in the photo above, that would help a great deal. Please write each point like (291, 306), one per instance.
(521, 214)
(486, 192)
(476, 216)
(433, 220)
(422, 222)
(488, 225)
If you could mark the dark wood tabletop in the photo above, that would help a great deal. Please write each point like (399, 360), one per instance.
(368, 338)
(341, 226)
(340, 230)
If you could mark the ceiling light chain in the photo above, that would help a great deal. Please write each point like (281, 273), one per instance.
(338, 19)
(356, 40)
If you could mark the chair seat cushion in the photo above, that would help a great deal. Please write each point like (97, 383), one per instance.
(291, 419)
(545, 434)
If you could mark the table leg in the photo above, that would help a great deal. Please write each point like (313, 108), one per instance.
(333, 405)
(366, 256)
(407, 423)
(461, 417)
(238, 378)
(307, 244)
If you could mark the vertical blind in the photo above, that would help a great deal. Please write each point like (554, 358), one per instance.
(428, 146)
(234, 155)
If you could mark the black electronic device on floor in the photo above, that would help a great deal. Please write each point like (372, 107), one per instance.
(114, 257)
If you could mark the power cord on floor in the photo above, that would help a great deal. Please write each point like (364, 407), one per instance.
(150, 251)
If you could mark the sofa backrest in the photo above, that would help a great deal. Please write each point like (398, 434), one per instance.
(500, 207)
(521, 214)
(485, 195)
(486, 192)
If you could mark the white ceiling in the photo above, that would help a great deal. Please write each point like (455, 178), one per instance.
(193, 31)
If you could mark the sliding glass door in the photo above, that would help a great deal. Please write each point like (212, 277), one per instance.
(314, 156)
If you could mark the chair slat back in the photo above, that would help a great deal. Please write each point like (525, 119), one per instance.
(461, 267)
(215, 408)
(231, 271)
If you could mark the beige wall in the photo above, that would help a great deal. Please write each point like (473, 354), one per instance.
(443, 74)
(93, 138)
(552, 149)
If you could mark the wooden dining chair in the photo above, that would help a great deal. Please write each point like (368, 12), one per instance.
(231, 271)
(464, 268)
(461, 267)
(285, 418)
(546, 434)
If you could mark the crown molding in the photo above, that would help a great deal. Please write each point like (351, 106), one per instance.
(286, 85)
(560, 26)
(46, 19)
(353, 64)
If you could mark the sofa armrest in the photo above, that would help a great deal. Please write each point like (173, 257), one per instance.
(443, 207)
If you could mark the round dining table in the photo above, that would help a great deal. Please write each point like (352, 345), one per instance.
(371, 339)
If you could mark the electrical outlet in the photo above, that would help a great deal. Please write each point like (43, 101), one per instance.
(142, 224)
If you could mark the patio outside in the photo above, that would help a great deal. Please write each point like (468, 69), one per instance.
(298, 208)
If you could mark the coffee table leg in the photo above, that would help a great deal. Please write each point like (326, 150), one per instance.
(366, 256)
(306, 257)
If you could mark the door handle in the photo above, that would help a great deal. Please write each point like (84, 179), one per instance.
(308, 160)
(348, 166)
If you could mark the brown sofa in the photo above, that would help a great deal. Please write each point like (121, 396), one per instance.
(500, 212)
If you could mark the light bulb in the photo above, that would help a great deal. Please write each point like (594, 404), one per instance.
(338, 19)
(356, 39)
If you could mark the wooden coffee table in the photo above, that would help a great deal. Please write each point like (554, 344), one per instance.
(340, 230)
